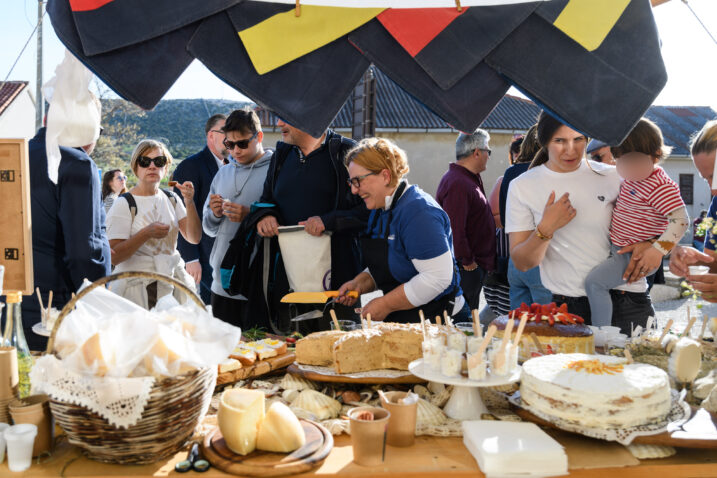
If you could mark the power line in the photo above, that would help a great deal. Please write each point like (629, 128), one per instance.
(22, 51)
(700, 21)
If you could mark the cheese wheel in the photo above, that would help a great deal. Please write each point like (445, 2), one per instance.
(240, 414)
(92, 353)
(280, 431)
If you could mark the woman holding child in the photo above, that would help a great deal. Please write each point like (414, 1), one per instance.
(559, 217)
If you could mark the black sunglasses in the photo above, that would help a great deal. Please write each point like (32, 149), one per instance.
(145, 161)
(241, 144)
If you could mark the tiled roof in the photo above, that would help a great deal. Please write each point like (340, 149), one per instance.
(397, 109)
(678, 123)
(9, 91)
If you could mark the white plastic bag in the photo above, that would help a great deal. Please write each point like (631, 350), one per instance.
(307, 259)
(73, 119)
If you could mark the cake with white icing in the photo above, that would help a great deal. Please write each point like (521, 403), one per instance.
(595, 390)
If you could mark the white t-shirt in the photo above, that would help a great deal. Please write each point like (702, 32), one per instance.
(157, 208)
(584, 242)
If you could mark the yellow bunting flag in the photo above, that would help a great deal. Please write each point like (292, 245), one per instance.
(588, 22)
(285, 37)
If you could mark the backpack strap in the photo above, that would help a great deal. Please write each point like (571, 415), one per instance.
(172, 197)
(132, 204)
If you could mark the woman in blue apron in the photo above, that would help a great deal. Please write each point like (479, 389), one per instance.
(407, 247)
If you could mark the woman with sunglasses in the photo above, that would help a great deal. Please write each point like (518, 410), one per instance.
(114, 183)
(408, 246)
(143, 225)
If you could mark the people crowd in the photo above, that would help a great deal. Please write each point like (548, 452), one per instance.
(572, 220)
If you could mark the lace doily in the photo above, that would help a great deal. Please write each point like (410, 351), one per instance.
(385, 373)
(679, 412)
(119, 400)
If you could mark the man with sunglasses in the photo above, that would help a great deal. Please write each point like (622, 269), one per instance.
(200, 169)
(307, 185)
(600, 152)
(234, 189)
(461, 194)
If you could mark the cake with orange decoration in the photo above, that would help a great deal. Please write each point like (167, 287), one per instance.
(557, 330)
(596, 391)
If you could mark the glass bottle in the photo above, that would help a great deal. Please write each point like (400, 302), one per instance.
(14, 336)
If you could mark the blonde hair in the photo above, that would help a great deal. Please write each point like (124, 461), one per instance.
(377, 154)
(705, 141)
(147, 145)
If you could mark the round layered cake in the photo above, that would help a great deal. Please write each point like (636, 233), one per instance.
(556, 329)
(595, 391)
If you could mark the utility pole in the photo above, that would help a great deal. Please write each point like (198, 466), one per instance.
(39, 99)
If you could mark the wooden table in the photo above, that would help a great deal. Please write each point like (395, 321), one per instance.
(430, 456)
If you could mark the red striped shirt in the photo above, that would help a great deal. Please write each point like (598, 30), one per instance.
(642, 208)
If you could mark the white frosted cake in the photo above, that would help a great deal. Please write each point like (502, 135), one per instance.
(595, 390)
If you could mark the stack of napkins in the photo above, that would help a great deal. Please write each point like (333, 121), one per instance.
(511, 449)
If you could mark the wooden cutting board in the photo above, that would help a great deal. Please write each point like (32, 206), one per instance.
(320, 377)
(663, 439)
(260, 367)
(319, 443)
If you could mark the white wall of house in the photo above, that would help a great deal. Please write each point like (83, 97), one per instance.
(18, 119)
(675, 166)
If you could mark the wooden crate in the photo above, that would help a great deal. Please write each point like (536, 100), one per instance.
(15, 218)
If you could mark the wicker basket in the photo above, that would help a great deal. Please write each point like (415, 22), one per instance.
(175, 407)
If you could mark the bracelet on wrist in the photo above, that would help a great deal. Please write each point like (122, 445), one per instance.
(541, 236)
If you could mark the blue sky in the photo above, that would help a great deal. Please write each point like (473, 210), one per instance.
(690, 54)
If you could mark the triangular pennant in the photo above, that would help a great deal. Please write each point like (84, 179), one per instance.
(285, 37)
(141, 73)
(307, 93)
(414, 28)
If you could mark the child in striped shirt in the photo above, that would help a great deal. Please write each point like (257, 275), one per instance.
(649, 208)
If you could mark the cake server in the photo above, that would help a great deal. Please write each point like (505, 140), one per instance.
(314, 297)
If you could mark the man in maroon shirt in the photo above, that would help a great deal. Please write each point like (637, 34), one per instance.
(461, 195)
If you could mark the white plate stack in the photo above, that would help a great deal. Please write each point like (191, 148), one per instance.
(511, 449)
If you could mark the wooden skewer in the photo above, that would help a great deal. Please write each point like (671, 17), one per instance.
(537, 343)
(39, 299)
(297, 9)
(49, 303)
(447, 319)
(704, 326)
(499, 358)
(332, 313)
(368, 320)
(521, 326)
(486, 340)
(423, 324)
(363, 322)
(438, 320)
(666, 330)
(650, 323)
(690, 323)
(476, 323)
(628, 356)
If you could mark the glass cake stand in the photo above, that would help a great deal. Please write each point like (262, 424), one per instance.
(465, 402)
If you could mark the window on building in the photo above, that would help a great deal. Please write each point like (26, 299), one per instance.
(687, 186)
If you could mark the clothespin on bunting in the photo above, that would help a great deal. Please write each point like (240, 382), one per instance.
(458, 5)
(297, 9)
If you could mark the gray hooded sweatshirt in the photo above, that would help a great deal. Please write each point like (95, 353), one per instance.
(240, 184)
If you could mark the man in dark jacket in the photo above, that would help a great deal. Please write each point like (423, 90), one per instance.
(307, 183)
(200, 169)
(69, 243)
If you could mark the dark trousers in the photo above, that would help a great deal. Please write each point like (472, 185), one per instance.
(472, 284)
(204, 288)
(629, 309)
(240, 313)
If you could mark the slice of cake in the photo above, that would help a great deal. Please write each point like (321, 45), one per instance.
(318, 348)
(595, 390)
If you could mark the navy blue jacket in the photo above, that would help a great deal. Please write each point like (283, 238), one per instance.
(348, 216)
(69, 243)
(200, 169)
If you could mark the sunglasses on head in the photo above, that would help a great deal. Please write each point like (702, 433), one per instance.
(241, 144)
(159, 161)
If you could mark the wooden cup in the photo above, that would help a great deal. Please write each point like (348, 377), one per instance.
(402, 425)
(368, 437)
(9, 378)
